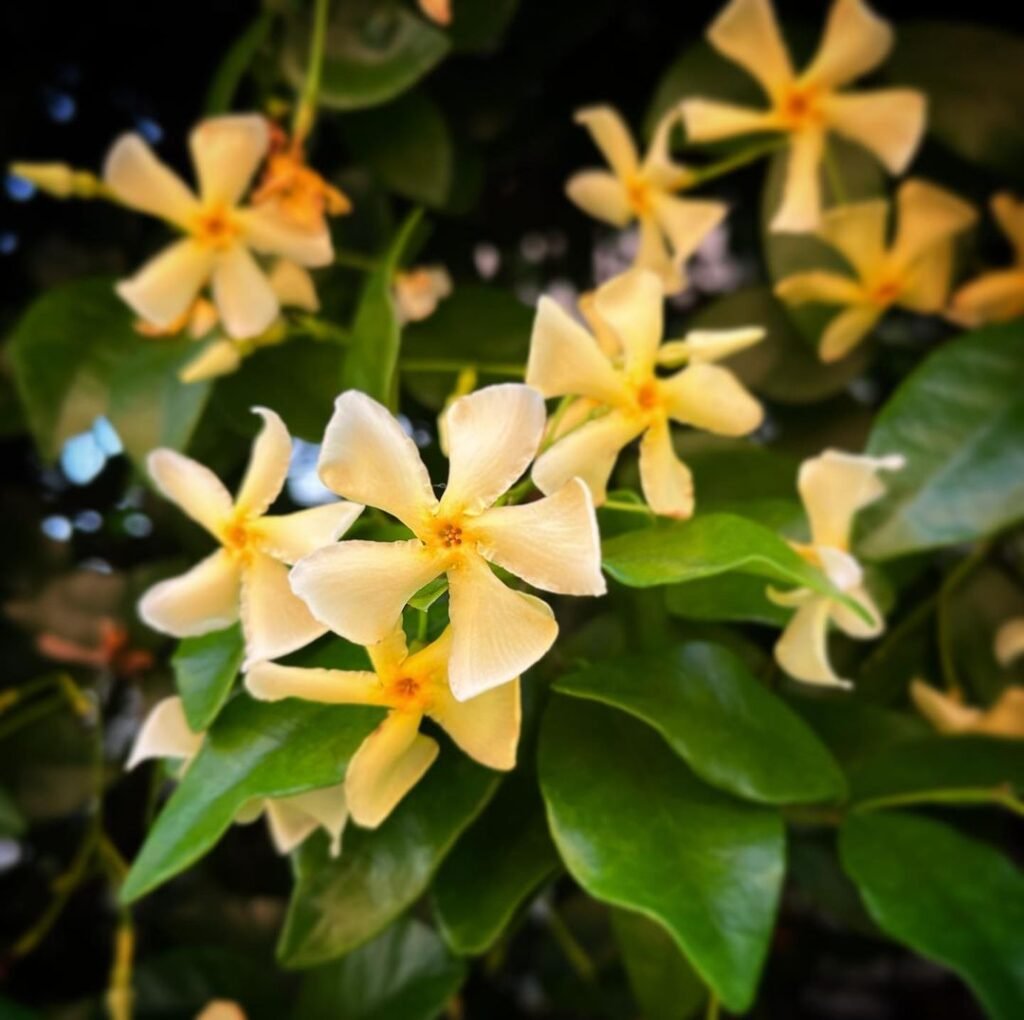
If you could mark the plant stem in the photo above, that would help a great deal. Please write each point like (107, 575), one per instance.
(320, 329)
(1000, 796)
(355, 260)
(834, 174)
(305, 112)
(950, 583)
(712, 1012)
(734, 162)
(632, 508)
(573, 951)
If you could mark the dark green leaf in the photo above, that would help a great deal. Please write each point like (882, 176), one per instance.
(220, 96)
(952, 899)
(204, 669)
(11, 821)
(732, 597)
(479, 25)
(637, 829)
(732, 731)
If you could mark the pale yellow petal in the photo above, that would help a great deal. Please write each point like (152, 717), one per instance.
(799, 211)
(367, 458)
(1006, 717)
(653, 255)
(359, 589)
(992, 297)
(888, 122)
(704, 346)
(852, 623)
(710, 397)
(497, 633)
(242, 293)
(485, 727)
(926, 288)
(289, 537)
(268, 465)
(141, 181)
(686, 223)
(746, 31)
(847, 330)
(659, 169)
(602, 195)
(552, 543)
(197, 602)
(165, 733)
(928, 215)
(391, 654)
(269, 681)
(292, 820)
(1008, 212)
(632, 304)
(858, 231)
(666, 481)
(219, 357)
(293, 286)
(222, 1009)
(493, 434)
(191, 486)
(855, 41)
(708, 120)
(390, 762)
(612, 137)
(819, 286)
(226, 152)
(802, 650)
(163, 290)
(946, 714)
(270, 233)
(1009, 644)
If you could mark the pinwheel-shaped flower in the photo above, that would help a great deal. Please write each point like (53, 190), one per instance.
(615, 372)
(808, 106)
(997, 296)
(166, 734)
(671, 228)
(833, 487)
(221, 235)
(359, 589)
(248, 575)
(396, 755)
(911, 271)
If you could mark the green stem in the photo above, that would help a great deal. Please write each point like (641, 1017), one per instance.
(320, 329)
(631, 508)
(355, 260)
(950, 583)
(835, 175)
(734, 162)
(305, 112)
(572, 950)
(712, 1012)
(997, 795)
(446, 365)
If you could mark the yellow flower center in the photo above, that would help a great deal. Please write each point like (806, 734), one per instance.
(239, 539)
(801, 107)
(885, 292)
(638, 194)
(216, 227)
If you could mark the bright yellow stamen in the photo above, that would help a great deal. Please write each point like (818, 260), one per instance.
(638, 193)
(239, 539)
(216, 227)
(801, 107)
(885, 292)
(450, 534)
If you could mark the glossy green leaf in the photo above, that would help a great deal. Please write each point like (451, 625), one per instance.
(727, 597)
(478, 26)
(254, 750)
(76, 356)
(637, 829)
(405, 973)
(959, 421)
(340, 903)
(950, 898)
(373, 51)
(496, 864)
(205, 667)
(12, 823)
(730, 729)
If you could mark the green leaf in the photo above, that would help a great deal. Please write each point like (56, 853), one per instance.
(732, 731)
(12, 822)
(665, 985)
(373, 51)
(340, 903)
(220, 96)
(637, 829)
(496, 864)
(950, 898)
(407, 145)
(254, 750)
(376, 334)
(727, 597)
(959, 420)
(76, 356)
(405, 973)
(204, 669)
(478, 26)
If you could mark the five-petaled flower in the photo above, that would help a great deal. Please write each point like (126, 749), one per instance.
(396, 755)
(248, 575)
(671, 228)
(806, 107)
(359, 588)
(221, 235)
(911, 271)
(833, 487)
(615, 372)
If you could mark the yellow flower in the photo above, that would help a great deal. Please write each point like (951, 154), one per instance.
(419, 291)
(615, 372)
(833, 487)
(247, 576)
(948, 714)
(359, 589)
(166, 734)
(439, 11)
(671, 228)
(806, 107)
(1009, 643)
(221, 1009)
(396, 755)
(997, 296)
(221, 235)
(912, 271)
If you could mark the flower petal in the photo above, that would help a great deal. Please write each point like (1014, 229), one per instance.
(485, 727)
(292, 820)
(269, 681)
(666, 481)
(705, 346)
(390, 762)
(226, 152)
(367, 458)
(203, 599)
(847, 330)
(359, 589)
(654, 256)
(143, 182)
(551, 543)
(271, 233)
(497, 633)
(659, 169)
(687, 222)
(708, 120)
(747, 32)
(566, 359)
(601, 195)
(192, 487)
(293, 286)
(289, 537)
(268, 465)
(820, 286)
(632, 304)
(1009, 643)
(1008, 212)
(946, 714)
(799, 211)
(163, 290)
(888, 122)
(926, 288)
(992, 297)
(710, 397)
(858, 231)
(219, 357)
(928, 215)
(834, 486)
(802, 650)
(851, 623)
(612, 137)
(242, 293)
(855, 41)
(165, 733)
(493, 434)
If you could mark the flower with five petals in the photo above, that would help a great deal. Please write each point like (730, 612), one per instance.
(358, 588)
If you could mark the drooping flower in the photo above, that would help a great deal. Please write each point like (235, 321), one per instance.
(671, 228)
(912, 270)
(948, 713)
(614, 371)
(833, 487)
(807, 107)
(165, 733)
(358, 588)
(998, 295)
(419, 291)
(221, 235)
(248, 575)
(396, 755)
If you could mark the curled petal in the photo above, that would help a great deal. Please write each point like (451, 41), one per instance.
(710, 397)
(632, 304)
(747, 32)
(853, 624)
(857, 230)
(855, 41)
(800, 209)
(226, 151)
(601, 195)
(204, 599)
(847, 330)
(888, 122)
(271, 233)
(659, 169)
(164, 289)
(293, 286)
(292, 820)
(612, 137)
(992, 297)
(687, 222)
(269, 681)
(268, 465)
(928, 215)
(654, 256)
(485, 727)
(141, 181)
(192, 487)
(290, 537)
(165, 734)
(242, 293)
(802, 650)
(666, 481)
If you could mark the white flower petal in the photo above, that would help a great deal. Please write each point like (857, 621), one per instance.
(710, 397)
(242, 293)
(141, 181)
(226, 152)
(290, 537)
(666, 481)
(293, 286)
(165, 734)
(164, 289)
(612, 137)
(747, 32)
(888, 122)
(855, 41)
(853, 624)
(686, 222)
(705, 346)
(268, 465)
(802, 650)
(1009, 643)
(293, 819)
(203, 599)
(485, 727)
(191, 486)
(653, 254)
(632, 304)
(271, 233)
(601, 195)
(269, 681)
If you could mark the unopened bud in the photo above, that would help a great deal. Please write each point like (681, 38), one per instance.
(59, 179)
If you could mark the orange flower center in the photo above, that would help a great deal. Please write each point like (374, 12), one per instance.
(638, 194)
(886, 292)
(239, 540)
(647, 396)
(216, 227)
(450, 534)
(801, 107)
